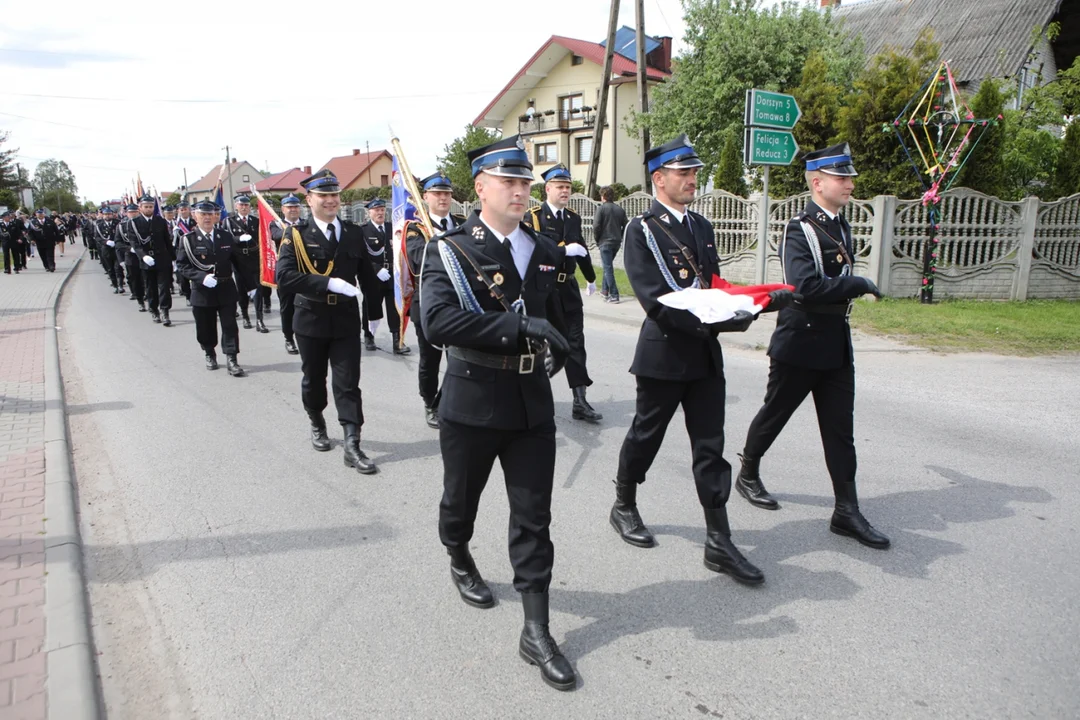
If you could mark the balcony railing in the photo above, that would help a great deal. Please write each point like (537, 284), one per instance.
(556, 120)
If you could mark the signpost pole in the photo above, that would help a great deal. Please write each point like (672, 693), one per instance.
(763, 225)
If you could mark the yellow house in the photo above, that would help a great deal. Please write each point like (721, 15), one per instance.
(551, 102)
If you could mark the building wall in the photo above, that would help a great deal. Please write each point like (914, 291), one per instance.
(234, 183)
(383, 166)
(619, 150)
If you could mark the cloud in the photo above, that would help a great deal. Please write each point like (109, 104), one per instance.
(49, 60)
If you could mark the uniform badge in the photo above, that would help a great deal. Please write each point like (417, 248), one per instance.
(478, 232)
(498, 278)
(665, 218)
(683, 274)
(840, 259)
(821, 217)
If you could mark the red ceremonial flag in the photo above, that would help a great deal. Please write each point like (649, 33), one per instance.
(267, 253)
(758, 293)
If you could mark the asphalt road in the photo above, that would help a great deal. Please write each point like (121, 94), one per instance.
(236, 573)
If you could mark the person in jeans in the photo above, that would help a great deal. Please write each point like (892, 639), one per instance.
(608, 226)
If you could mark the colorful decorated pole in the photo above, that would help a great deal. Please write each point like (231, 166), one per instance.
(942, 131)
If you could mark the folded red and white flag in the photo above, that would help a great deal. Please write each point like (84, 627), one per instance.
(722, 300)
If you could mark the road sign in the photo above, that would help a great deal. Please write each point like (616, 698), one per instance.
(771, 110)
(769, 147)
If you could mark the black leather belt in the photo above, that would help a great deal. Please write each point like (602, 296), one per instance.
(844, 309)
(523, 364)
(330, 299)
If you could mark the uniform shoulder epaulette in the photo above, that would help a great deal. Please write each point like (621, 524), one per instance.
(458, 219)
(457, 230)
(347, 222)
(646, 215)
(571, 211)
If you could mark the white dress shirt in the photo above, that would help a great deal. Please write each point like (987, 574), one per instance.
(521, 247)
(324, 225)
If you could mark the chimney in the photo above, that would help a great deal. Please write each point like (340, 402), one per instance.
(307, 169)
(234, 161)
(355, 151)
(830, 3)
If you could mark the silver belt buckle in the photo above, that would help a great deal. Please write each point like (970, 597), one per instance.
(331, 299)
(561, 277)
(526, 364)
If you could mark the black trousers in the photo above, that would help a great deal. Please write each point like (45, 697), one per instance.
(527, 458)
(576, 373)
(703, 407)
(185, 287)
(10, 259)
(158, 284)
(247, 279)
(47, 251)
(206, 328)
(342, 355)
(373, 309)
(286, 308)
(834, 400)
(19, 253)
(430, 360)
(265, 292)
(134, 275)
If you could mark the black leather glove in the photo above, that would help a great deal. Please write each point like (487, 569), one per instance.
(739, 323)
(780, 299)
(540, 329)
(553, 363)
(871, 288)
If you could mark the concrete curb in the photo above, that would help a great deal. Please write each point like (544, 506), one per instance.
(72, 687)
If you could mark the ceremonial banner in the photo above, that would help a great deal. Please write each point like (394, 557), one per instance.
(267, 253)
(220, 202)
(402, 211)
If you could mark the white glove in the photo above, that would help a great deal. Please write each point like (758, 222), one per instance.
(383, 274)
(174, 265)
(209, 281)
(244, 238)
(251, 294)
(110, 243)
(576, 250)
(340, 287)
(148, 260)
(590, 289)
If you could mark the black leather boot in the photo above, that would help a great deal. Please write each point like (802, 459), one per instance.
(847, 520)
(290, 347)
(211, 360)
(400, 349)
(260, 326)
(431, 415)
(537, 647)
(721, 555)
(319, 439)
(155, 316)
(472, 588)
(354, 456)
(234, 367)
(165, 320)
(369, 343)
(247, 321)
(142, 305)
(582, 410)
(625, 518)
(749, 485)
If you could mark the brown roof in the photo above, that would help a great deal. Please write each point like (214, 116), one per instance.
(349, 167)
(208, 181)
(287, 181)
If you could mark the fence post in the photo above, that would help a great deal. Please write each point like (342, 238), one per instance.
(884, 231)
(1029, 216)
(873, 270)
(763, 238)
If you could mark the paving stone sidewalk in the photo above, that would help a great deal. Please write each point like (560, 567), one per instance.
(24, 301)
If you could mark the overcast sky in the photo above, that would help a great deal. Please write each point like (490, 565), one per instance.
(160, 87)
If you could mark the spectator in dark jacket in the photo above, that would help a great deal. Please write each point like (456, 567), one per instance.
(608, 226)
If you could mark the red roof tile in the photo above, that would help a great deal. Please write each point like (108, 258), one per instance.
(287, 181)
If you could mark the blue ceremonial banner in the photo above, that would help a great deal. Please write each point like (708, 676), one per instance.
(220, 202)
(402, 212)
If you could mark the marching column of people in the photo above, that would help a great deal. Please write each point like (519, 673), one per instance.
(496, 293)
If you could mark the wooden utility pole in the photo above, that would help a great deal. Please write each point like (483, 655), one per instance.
(642, 84)
(601, 109)
(228, 176)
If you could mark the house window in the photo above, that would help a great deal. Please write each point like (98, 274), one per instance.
(546, 153)
(246, 179)
(576, 59)
(567, 103)
(384, 180)
(583, 149)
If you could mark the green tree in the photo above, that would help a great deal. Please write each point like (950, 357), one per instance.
(820, 99)
(735, 45)
(729, 172)
(9, 199)
(455, 160)
(55, 186)
(1067, 173)
(985, 168)
(90, 206)
(9, 178)
(173, 199)
(879, 96)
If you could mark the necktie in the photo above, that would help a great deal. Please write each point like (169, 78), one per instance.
(331, 234)
(687, 225)
(558, 215)
(442, 224)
